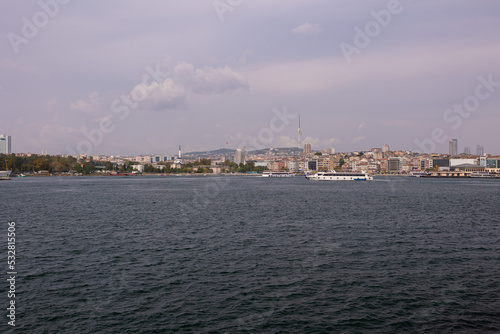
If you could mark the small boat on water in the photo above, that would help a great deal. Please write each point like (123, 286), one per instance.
(342, 176)
(277, 174)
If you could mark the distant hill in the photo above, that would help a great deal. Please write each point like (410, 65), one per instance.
(221, 152)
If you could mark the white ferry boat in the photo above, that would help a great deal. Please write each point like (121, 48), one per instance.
(277, 174)
(342, 176)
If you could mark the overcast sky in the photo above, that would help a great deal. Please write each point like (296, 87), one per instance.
(141, 77)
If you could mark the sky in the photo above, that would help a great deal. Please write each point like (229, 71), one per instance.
(143, 77)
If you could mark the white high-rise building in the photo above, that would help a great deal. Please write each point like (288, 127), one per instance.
(239, 156)
(5, 144)
(385, 148)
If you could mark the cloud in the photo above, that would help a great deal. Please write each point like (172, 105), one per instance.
(89, 107)
(166, 95)
(317, 143)
(209, 80)
(307, 29)
(362, 125)
(358, 139)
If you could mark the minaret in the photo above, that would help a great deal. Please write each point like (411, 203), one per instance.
(179, 151)
(300, 134)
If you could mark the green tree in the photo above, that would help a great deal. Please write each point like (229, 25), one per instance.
(88, 168)
(250, 165)
(78, 168)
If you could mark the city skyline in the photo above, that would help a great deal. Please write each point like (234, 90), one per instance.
(86, 80)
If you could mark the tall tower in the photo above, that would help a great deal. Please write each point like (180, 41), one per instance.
(299, 135)
(453, 147)
(179, 151)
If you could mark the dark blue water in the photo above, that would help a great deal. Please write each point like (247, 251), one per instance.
(248, 254)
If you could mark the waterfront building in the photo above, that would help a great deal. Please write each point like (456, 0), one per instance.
(394, 165)
(493, 162)
(324, 164)
(5, 144)
(312, 165)
(453, 147)
(441, 162)
(425, 164)
(384, 165)
(456, 162)
(276, 165)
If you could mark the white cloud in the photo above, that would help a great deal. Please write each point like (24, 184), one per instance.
(358, 139)
(208, 80)
(166, 95)
(285, 141)
(362, 125)
(89, 107)
(307, 29)
(317, 144)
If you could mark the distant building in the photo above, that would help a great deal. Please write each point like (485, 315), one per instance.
(276, 165)
(312, 165)
(330, 150)
(493, 162)
(467, 150)
(441, 163)
(383, 165)
(479, 150)
(5, 144)
(394, 165)
(239, 156)
(456, 162)
(307, 148)
(453, 147)
(385, 148)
